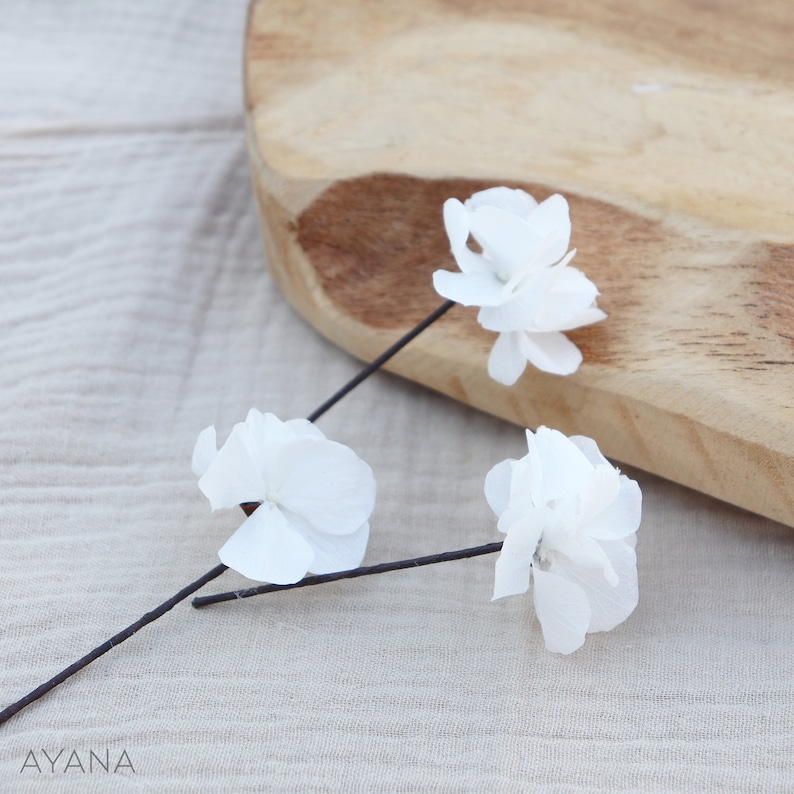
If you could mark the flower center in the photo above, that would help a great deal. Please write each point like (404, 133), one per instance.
(272, 495)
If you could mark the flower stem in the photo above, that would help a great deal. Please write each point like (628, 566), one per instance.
(248, 508)
(115, 640)
(380, 361)
(366, 570)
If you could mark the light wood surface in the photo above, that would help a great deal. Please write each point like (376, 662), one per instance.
(668, 125)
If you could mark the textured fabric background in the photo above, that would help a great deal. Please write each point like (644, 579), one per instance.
(135, 309)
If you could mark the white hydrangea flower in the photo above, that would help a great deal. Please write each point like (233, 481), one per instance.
(316, 498)
(521, 281)
(570, 518)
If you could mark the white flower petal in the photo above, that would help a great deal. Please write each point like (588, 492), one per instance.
(619, 518)
(456, 223)
(520, 514)
(515, 201)
(497, 486)
(259, 425)
(303, 427)
(526, 494)
(234, 476)
(511, 575)
(336, 552)
(205, 451)
(266, 549)
(570, 293)
(528, 474)
(586, 554)
(266, 432)
(263, 435)
(507, 361)
(609, 605)
(565, 470)
(563, 610)
(551, 352)
(469, 289)
(598, 492)
(518, 309)
(551, 218)
(325, 483)
(589, 449)
(547, 253)
(507, 240)
(588, 316)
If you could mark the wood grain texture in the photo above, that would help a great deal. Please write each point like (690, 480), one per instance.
(669, 126)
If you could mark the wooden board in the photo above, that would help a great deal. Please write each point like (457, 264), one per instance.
(668, 125)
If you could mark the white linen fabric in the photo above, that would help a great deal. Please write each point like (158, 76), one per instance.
(135, 310)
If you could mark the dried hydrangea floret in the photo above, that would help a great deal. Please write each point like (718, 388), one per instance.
(570, 518)
(316, 498)
(522, 280)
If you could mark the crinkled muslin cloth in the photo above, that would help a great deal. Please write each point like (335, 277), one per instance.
(135, 310)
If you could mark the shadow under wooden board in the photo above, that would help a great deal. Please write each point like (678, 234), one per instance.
(668, 126)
